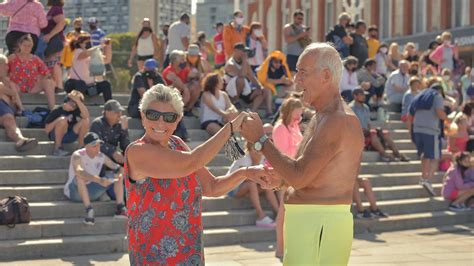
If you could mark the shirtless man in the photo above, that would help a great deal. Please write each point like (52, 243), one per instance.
(318, 221)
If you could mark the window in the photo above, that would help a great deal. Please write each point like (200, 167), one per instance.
(419, 16)
(329, 15)
(385, 18)
(460, 13)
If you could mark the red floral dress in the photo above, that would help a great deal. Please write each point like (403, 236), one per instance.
(164, 219)
(25, 73)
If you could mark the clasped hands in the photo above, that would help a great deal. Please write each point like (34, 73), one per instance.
(250, 127)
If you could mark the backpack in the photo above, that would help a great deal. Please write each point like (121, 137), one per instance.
(14, 210)
(36, 117)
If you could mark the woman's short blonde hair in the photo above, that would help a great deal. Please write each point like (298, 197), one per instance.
(163, 94)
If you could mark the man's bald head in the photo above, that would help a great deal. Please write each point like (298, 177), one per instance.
(325, 56)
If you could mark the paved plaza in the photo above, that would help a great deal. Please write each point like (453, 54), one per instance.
(450, 245)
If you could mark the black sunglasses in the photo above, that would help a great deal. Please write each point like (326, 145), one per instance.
(154, 115)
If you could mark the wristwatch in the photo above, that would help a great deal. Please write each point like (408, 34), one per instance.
(258, 146)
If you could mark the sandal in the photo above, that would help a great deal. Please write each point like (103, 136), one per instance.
(27, 145)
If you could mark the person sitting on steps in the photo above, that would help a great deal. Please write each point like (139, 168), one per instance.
(375, 138)
(62, 124)
(84, 183)
(10, 105)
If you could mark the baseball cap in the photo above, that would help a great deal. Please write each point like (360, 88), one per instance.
(193, 49)
(241, 46)
(113, 105)
(92, 138)
(92, 20)
(151, 64)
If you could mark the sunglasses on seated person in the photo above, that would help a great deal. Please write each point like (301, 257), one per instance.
(154, 115)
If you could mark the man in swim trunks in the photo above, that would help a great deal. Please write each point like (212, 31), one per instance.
(320, 181)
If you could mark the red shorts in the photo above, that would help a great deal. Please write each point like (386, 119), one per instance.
(454, 195)
(374, 132)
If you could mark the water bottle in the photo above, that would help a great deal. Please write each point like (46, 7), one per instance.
(380, 114)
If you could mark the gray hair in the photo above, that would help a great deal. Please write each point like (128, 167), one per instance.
(327, 57)
(163, 94)
(175, 54)
(3, 59)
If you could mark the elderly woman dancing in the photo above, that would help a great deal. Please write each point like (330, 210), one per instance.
(166, 182)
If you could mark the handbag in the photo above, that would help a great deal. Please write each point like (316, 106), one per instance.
(91, 89)
(14, 210)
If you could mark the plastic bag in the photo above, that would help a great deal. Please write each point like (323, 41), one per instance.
(97, 66)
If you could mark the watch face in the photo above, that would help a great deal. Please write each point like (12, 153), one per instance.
(258, 146)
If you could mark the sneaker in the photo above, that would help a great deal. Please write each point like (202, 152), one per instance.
(60, 152)
(385, 158)
(89, 219)
(266, 222)
(364, 214)
(428, 187)
(404, 158)
(458, 207)
(121, 213)
(379, 214)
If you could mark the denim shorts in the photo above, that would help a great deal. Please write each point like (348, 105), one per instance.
(69, 137)
(428, 146)
(5, 108)
(95, 191)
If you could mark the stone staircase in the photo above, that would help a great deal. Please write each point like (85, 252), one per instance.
(57, 230)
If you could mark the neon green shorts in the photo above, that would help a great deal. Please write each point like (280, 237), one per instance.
(317, 234)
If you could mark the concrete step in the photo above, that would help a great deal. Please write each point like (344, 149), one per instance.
(416, 220)
(110, 225)
(398, 179)
(133, 123)
(117, 243)
(33, 177)
(411, 205)
(59, 247)
(391, 167)
(41, 193)
(63, 228)
(97, 243)
(40, 135)
(43, 162)
(40, 99)
(373, 156)
(215, 218)
(402, 192)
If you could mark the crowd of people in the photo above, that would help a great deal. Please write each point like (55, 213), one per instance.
(431, 90)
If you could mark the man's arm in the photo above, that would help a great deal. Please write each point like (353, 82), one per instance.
(289, 37)
(81, 173)
(124, 139)
(317, 154)
(176, 81)
(110, 164)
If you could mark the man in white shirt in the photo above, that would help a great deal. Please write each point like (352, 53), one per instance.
(178, 37)
(397, 84)
(85, 183)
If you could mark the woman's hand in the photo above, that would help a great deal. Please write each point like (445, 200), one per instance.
(258, 174)
(47, 38)
(267, 178)
(230, 114)
(129, 62)
(237, 122)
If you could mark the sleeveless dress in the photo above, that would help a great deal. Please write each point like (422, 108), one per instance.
(164, 218)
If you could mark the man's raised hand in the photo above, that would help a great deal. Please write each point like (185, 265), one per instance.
(252, 128)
